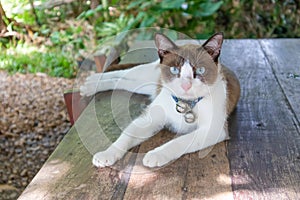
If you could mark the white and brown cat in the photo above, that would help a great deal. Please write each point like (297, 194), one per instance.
(193, 94)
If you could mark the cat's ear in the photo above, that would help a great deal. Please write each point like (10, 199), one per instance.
(163, 44)
(213, 45)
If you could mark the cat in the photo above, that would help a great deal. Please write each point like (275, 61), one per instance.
(192, 95)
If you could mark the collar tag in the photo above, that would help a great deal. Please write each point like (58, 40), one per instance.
(185, 107)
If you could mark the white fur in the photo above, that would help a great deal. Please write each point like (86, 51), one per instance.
(186, 71)
(142, 79)
(207, 130)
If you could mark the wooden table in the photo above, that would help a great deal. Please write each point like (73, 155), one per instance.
(261, 161)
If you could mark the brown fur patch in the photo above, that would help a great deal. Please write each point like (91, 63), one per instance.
(233, 89)
(196, 55)
(170, 60)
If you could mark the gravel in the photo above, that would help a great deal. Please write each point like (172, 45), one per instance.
(33, 120)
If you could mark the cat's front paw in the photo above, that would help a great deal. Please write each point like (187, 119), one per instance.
(107, 158)
(155, 159)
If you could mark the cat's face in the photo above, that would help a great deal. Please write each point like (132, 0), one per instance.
(188, 70)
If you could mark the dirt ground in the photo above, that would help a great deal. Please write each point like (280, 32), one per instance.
(33, 120)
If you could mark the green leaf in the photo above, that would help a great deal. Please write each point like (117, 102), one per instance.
(134, 4)
(148, 21)
(208, 8)
(89, 13)
(55, 37)
(171, 4)
(99, 8)
(45, 31)
(146, 4)
(81, 16)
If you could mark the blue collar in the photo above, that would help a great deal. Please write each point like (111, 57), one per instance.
(191, 103)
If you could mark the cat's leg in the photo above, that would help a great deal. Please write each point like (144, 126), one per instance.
(141, 79)
(197, 140)
(138, 131)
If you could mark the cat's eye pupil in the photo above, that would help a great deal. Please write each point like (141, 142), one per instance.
(174, 70)
(200, 71)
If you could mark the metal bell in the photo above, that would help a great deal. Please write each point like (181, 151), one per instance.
(189, 117)
(181, 107)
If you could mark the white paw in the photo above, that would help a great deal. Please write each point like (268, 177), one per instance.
(90, 85)
(155, 159)
(107, 158)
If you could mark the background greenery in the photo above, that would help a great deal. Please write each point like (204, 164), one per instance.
(52, 36)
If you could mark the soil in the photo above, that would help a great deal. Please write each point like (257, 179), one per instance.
(33, 120)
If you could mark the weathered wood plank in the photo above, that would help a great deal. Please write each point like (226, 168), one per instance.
(189, 177)
(283, 57)
(163, 183)
(69, 173)
(209, 177)
(265, 142)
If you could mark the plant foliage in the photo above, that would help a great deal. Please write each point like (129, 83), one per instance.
(77, 26)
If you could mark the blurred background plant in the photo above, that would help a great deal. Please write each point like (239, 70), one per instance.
(51, 36)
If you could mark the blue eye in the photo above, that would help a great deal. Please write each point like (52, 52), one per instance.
(200, 70)
(174, 70)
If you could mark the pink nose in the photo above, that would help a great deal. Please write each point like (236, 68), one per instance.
(186, 86)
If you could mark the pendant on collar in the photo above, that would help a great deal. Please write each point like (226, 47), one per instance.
(185, 107)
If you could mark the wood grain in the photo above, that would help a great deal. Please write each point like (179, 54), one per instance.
(189, 177)
(265, 142)
(283, 58)
(69, 173)
(162, 183)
